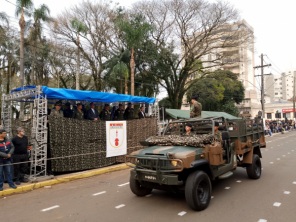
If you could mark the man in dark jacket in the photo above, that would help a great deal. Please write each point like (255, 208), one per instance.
(20, 156)
(92, 113)
(6, 150)
(141, 113)
(129, 112)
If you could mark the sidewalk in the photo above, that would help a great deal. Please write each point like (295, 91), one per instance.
(24, 187)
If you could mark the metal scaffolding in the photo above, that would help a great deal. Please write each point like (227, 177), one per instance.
(6, 115)
(39, 130)
(39, 136)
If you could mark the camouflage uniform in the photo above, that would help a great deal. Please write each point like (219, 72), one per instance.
(218, 136)
(195, 109)
(119, 114)
(128, 113)
(105, 115)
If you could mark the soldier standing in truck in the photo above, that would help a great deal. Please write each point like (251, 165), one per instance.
(196, 107)
(218, 135)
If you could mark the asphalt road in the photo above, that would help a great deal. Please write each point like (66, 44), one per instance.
(107, 197)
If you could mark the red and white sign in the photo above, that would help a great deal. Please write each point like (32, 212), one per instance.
(290, 110)
(116, 138)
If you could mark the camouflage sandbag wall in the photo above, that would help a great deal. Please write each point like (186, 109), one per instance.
(178, 140)
(81, 144)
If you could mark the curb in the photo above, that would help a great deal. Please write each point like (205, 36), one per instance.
(63, 179)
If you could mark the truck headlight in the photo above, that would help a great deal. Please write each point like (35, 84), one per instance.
(174, 163)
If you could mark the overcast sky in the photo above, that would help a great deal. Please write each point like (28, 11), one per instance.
(273, 23)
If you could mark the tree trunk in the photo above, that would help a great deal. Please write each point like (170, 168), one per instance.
(78, 64)
(132, 66)
(125, 86)
(22, 24)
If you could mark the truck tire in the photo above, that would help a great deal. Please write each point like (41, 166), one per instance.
(138, 189)
(198, 190)
(254, 169)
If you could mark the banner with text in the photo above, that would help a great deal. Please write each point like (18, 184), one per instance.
(116, 141)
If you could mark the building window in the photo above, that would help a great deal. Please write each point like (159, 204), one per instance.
(268, 115)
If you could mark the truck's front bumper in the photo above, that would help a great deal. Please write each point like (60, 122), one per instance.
(155, 177)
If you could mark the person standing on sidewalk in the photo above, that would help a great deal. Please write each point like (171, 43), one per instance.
(20, 156)
(6, 150)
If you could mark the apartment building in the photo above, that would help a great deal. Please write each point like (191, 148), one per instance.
(279, 92)
(239, 59)
(280, 87)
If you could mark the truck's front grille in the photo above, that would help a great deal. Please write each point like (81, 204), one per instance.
(155, 163)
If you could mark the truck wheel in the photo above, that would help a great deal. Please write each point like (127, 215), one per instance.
(138, 189)
(254, 169)
(198, 190)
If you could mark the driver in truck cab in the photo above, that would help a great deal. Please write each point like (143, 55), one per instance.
(188, 129)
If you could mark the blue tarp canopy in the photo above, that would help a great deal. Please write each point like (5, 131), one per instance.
(86, 95)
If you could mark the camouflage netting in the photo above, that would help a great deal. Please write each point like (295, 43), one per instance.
(81, 144)
(177, 140)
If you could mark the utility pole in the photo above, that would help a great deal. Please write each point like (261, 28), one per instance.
(262, 84)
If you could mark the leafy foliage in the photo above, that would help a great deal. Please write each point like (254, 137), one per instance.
(219, 91)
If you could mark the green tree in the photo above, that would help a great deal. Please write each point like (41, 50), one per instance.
(37, 43)
(134, 31)
(22, 7)
(3, 20)
(219, 91)
(192, 37)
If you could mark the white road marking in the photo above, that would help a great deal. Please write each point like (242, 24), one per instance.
(284, 155)
(124, 184)
(278, 158)
(238, 181)
(96, 194)
(227, 188)
(289, 153)
(271, 162)
(50, 208)
(120, 206)
(294, 182)
(262, 220)
(182, 213)
(276, 204)
(287, 192)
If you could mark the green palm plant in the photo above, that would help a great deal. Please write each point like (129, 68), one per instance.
(134, 32)
(41, 14)
(21, 5)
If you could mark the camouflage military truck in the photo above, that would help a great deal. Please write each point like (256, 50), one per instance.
(175, 162)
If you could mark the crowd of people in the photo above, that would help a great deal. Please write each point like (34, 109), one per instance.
(106, 114)
(14, 156)
(279, 126)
